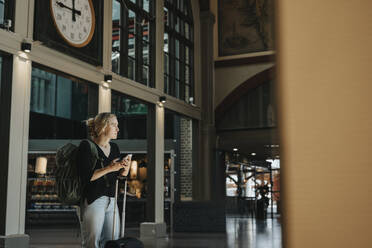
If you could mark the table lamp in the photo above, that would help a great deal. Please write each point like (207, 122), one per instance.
(41, 165)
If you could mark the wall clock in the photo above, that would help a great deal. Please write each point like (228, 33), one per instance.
(74, 20)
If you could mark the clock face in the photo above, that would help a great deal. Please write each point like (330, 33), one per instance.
(74, 20)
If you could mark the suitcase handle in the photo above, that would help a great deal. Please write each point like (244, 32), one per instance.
(122, 228)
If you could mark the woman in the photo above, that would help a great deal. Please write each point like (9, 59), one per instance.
(98, 204)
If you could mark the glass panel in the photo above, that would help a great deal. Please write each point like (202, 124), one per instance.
(187, 94)
(131, 114)
(146, 5)
(166, 63)
(166, 41)
(166, 17)
(65, 98)
(115, 55)
(187, 54)
(187, 74)
(145, 29)
(177, 88)
(132, 20)
(177, 69)
(166, 84)
(131, 67)
(182, 72)
(79, 94)
(145, 52)
(177, 42)
(133, 1)
(131, 46)
(187, 30)
(167, 175)
(116, 10)
(2, 7)
(172, 86)
(145, 74)
(177, 23)
(43, 92)
(58, 105)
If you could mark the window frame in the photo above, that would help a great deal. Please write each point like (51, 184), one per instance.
(124, 23)
(175, 85)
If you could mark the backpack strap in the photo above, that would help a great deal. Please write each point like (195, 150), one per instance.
(95, 157)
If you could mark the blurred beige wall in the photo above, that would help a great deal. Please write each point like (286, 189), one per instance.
(325, 92)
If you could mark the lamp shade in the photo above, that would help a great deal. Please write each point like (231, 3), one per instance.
(142, 174)
(41, 165)
(133, 169)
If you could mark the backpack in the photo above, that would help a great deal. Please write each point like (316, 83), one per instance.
(68, 184)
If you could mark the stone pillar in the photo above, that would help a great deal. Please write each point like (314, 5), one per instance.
(104, 99)
(14, 207)
(202, 177)
(155, 226)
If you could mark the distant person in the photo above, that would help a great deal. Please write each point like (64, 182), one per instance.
(98, 199)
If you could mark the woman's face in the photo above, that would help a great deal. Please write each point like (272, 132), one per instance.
(112, 128)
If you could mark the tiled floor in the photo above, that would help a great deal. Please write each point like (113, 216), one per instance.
(240, 232)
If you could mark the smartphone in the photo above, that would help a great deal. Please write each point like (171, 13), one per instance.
(123, 157)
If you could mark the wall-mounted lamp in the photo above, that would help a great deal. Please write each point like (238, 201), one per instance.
(108, 78)
(26, 47)
(162, 99)
(41, 165)
(235, 149)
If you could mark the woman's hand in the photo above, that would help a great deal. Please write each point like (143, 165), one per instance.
(116, 165)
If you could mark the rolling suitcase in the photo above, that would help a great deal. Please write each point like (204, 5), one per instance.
(122, 242)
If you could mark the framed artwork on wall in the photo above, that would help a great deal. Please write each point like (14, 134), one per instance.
(245, 26)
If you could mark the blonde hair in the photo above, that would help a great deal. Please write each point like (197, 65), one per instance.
(97, 125)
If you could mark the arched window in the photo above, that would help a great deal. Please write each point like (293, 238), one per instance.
(179, 50)
(133, 40)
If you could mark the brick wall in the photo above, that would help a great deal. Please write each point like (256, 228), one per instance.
(186, 159)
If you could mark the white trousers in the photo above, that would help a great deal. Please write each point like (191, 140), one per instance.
(97, 222)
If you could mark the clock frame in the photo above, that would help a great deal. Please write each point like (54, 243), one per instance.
(46, 32)
(63, 35)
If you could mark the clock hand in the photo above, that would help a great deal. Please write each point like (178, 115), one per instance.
(74, 11)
